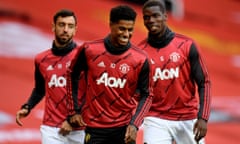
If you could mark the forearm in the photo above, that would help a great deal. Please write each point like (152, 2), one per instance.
(77, 66)
(142, 108)
(201, 77)
(38, 91)
(145, 97)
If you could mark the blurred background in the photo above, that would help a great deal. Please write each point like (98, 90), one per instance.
(25, 30)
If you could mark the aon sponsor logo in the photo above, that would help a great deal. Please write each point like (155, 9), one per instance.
(166, 74)
(111, 81)
(57, 81)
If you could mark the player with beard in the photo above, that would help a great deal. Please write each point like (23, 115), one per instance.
(181, 86)
(115, 68)
(50, 82)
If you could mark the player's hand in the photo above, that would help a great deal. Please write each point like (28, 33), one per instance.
(21, 114)
(131, 134)
(200, 129)
(65, 128)
(77, 119)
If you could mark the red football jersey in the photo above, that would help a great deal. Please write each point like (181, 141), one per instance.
(112, 80)
(53, 69)
(174, 83)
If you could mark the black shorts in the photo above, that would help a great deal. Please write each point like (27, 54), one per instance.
(105, 135)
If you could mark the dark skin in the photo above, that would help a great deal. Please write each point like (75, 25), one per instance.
(155, 22)
(121, 33)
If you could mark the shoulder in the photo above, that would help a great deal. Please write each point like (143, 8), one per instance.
(138, 50)
(142, 44)
(184, 38)
(86, 44)
(92, 42)
(43, 54)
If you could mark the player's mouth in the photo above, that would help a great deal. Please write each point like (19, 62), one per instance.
(123, 40)
(152, 28)
(64, 36)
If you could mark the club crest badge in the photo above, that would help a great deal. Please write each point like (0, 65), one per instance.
(124, 68)
(174, 57)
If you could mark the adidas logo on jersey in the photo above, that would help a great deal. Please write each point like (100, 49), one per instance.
(101, 64)
(50, 67)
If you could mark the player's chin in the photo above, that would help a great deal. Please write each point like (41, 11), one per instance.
(153, 32)
(64, 41)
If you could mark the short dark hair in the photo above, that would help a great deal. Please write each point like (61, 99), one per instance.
(159, 3)
(64, 13)
(122, 12)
